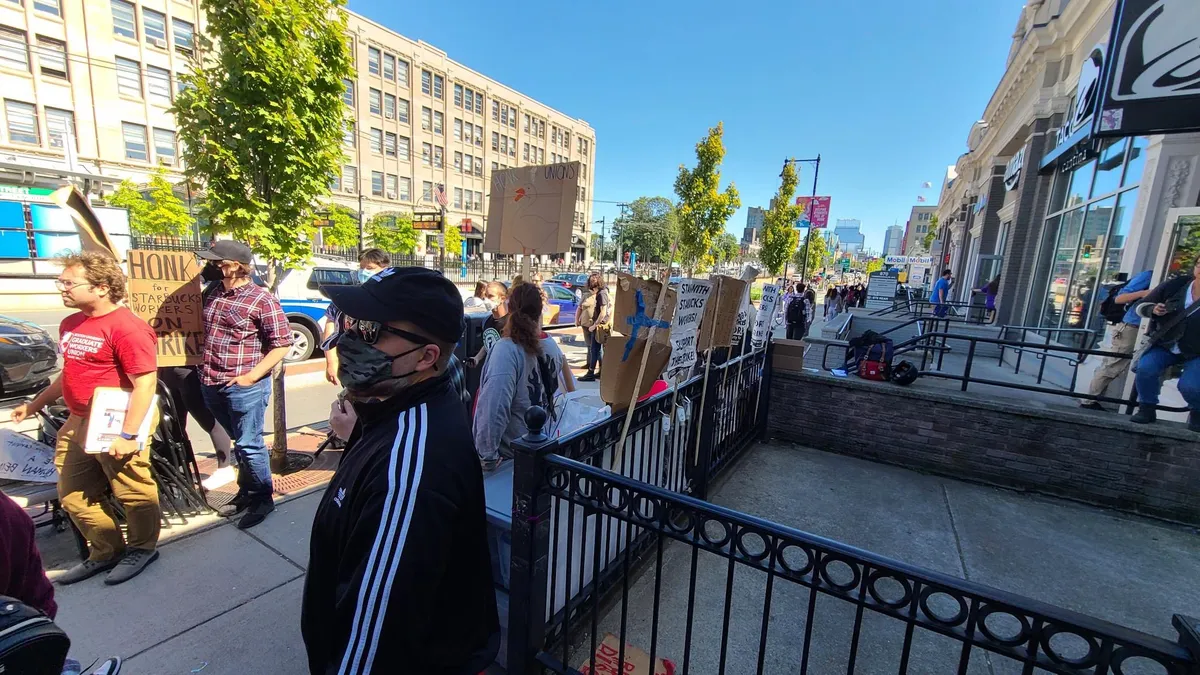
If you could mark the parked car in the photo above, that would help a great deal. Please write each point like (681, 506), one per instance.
(566, 302)
(28, 356)
(305, 305)
(572, 280)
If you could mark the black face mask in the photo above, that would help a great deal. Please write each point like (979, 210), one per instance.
(211, 272)
(362, 366)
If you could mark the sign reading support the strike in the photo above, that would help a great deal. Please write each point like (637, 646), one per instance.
(692, 298)
(164, 289)
(766, 315)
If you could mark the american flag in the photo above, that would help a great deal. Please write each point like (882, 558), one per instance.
(439, 193)
(919, 199)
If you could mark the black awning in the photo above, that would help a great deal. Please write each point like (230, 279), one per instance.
(1071, 151)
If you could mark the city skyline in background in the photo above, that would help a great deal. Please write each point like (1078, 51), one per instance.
(651, 96)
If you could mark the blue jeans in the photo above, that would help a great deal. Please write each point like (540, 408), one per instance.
(940, 310)
(1150, 371)
(242, 411)
(593, 351)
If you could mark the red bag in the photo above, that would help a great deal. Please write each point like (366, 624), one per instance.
(873, 370)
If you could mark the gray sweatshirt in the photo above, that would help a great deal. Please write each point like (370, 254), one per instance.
(512, 382)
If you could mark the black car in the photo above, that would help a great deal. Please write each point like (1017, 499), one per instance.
(28, 356)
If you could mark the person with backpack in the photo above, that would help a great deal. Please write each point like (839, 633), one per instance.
(795, 316)
(1173, 346)
(1118, 309)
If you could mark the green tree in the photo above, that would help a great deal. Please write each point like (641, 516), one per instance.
(393, 232)
(342, 228)
(818, 253)
(160, 213)
(702, 209)
(602, 249)
(261, 118)
(453, 242)
(779, 235)
(648, 226)
(931, 234)
(874, 265)
(727, 248)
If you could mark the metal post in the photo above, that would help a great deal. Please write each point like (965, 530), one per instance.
(530, 547)
(967, 369)
(361, 240)
(705, 433)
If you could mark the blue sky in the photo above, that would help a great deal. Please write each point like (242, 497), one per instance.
(884, 90)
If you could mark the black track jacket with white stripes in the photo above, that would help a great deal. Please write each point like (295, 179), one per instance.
(399, 574)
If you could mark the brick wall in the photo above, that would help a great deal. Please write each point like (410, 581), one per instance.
(1020, 254)
(1110, 462)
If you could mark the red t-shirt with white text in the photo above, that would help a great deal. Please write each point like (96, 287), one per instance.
(103, 351)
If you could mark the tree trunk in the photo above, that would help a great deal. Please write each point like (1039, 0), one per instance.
(279, 418)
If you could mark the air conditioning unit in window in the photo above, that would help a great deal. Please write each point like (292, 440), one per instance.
(390, 116)
(158, 42)
(348, 190)
(391, 195)
(165, 161)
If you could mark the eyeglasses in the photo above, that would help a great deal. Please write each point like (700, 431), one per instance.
(68, 285)
(369, 331)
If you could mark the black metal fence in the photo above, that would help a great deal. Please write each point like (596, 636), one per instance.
(963, 312)
(146, 243)
(608, 553)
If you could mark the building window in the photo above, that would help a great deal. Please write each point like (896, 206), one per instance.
(541, 155)
(439, 84)
(375, 101)
(348, 93)
(52, 57)
(391, 186)
(525, 123)
(457, 129)
(135, 142)
(495, 141)
(377, 141)
(439, 154)
(129, 78)
(350, 178)
(48, 6)
(458, 194)
(373, 61)
(468, 163)
(469, 101)
(458, 159)
(478, 103)
(389, 106)
(427, 154)
(426, 82)
(479, 166)
(426, 191)
(478, 201)
(402, 72)
(124, 20)
(458, 96)
(426, 118)
(154, 25)
(403, 148)
(389, 144)
(389, 68)
(495, 167)
(185, 35)
(405, 191)
(22, 122)
(158, 85)
(495, 111)
(349, 138)
(402, 110)
(504, 145)
(439, 123)
(542, 130)
(377, 183)
(525, 152)
(164, 146)
(59, 125)
(14, 53)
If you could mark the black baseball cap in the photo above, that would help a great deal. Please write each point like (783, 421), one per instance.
(415, 294)
(227, 249)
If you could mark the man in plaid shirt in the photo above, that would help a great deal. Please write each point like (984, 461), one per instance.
(245, 336)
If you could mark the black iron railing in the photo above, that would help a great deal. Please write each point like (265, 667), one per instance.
(146, 243)
(963, 312)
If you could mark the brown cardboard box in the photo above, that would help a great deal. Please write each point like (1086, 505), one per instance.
(618, 376)
(788, 355)
(637, 662)
(625, 306)
(723, 306)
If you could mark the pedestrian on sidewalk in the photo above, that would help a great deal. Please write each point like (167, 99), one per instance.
(370, 262)
(477, 299)
(104, 344)
(830, 303)
(1122, 337)
(1174, 345)
(595, 317)
(399, 575)
(245, 336)
(941, 295)
(795, 316)
(990, 290)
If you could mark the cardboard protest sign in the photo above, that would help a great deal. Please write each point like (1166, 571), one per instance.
(22, 458)
(693, 297)
(637, 662)
(721, 310)
(92, 236)
(633, 309)
(763, 323)
(165, 290)
(618, 377)
(532, 209)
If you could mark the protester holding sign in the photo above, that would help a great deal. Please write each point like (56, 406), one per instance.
(246, 334)
(104, 344)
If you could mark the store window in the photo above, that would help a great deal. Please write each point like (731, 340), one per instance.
(1090, 212)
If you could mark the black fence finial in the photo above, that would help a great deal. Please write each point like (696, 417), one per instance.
(535, 421)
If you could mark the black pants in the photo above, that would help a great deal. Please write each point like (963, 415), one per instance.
(184, 384)
(795, 331)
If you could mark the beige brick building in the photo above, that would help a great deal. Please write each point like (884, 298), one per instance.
(87, 84)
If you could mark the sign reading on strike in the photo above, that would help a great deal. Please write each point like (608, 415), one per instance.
(164, 289)
(691, 300)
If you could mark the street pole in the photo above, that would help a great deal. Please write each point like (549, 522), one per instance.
(361, 241)
(807, 235)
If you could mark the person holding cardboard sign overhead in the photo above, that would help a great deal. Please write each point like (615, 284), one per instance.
(104, 344)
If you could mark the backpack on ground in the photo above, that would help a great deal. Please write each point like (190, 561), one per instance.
(30, 642)
(870, 354)
(1112, 311)
(795, 310)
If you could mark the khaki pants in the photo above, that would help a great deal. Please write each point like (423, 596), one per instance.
(1123, 337)
(83, 480)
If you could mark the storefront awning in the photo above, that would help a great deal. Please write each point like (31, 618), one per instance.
(1071, 150)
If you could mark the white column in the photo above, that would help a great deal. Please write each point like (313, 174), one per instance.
(1171, 179)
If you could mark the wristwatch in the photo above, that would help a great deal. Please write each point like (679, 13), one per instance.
(128, 437)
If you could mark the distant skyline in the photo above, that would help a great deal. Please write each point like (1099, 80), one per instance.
(885, 92)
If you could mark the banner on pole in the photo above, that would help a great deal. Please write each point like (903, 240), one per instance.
(691, 300)
(766, 315)
(814, 214)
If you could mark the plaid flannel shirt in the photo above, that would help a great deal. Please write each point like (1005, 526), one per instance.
(240, 326)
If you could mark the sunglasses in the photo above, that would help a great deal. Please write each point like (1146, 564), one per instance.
(369, 331)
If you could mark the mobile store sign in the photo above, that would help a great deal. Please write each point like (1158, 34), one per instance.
(1152, 78)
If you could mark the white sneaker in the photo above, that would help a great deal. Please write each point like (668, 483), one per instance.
(222, 476)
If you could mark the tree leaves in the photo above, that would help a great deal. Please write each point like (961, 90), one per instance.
(647, 227)
(818, 253)
(161, 214)
(779, 236)
(393, 232)
(702, 210)
(342, 228)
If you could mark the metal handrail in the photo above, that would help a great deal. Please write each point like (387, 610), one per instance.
(920, 321)
(916, 306)
(1042, 355)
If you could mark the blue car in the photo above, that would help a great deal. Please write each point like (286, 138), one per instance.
(564, 299)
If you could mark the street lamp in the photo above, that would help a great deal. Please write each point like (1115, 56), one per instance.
(816, 172)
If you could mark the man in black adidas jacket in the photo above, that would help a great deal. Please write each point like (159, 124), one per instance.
(399, 576)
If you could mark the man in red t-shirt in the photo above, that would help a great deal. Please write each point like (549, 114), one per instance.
(103, 345)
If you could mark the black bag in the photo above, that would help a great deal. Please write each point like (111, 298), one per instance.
(869, 346)
(30, 642)
(795, 310)
(905, 373)
(1112, 311)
